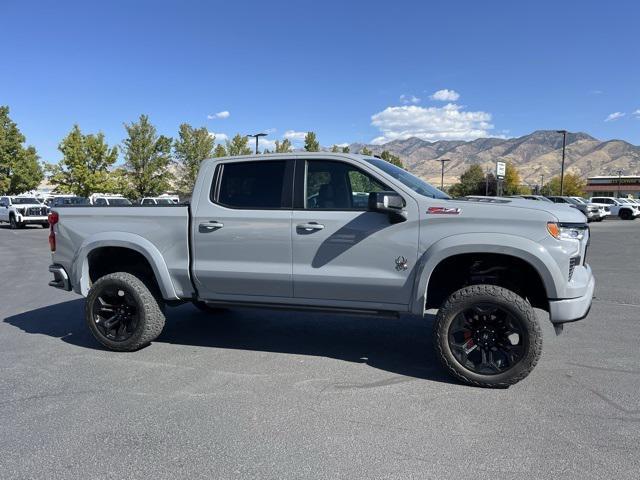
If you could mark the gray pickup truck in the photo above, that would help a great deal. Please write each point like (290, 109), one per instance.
(333, 232)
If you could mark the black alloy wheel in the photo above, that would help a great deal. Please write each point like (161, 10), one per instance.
(115, 314)
(487, 339)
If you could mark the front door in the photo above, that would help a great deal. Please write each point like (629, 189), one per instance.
(343, 254)
(242, 233)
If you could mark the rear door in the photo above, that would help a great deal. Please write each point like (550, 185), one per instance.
(242, 232)
(344, 255)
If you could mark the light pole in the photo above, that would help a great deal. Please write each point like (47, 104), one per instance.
(442, 160)
(541, 183)
(619, 175)
(257, 136)
(486, 182)
(564, 145)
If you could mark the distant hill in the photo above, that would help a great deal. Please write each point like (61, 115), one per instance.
(536, 154)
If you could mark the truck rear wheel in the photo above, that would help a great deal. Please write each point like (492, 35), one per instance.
(122, 313)
(626, 214)
(487, 336)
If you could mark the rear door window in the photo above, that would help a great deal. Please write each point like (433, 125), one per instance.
(252, 185)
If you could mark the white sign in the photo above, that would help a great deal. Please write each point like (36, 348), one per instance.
(501, 169)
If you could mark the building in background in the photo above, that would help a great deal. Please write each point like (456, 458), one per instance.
(613, 186)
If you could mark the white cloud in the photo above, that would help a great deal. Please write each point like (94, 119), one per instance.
(220, 115)
(220, 137)
(450, 122)
(264, 143)
(407, 99)
(636, 113)
(294, 136)
(614, 116)
(445, 95)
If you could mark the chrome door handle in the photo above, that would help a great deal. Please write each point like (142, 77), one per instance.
(310, 226)
(210, 226)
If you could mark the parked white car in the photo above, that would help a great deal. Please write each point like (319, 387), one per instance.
(596, 213)
(618, 206)
(21, 211)
(157, 201)
(110, 201)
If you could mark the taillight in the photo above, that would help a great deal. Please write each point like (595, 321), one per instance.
(53, 219)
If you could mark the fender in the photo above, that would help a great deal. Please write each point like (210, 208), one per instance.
(532, 252)
(80, 264)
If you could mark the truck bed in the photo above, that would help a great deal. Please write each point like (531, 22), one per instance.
(164, 227)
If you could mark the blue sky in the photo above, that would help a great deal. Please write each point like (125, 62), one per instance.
(351, 71)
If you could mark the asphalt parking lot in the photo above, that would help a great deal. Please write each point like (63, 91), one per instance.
(254, 394)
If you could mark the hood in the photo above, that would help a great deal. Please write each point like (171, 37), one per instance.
(561, 212)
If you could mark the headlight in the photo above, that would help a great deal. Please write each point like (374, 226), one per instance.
(566, 231)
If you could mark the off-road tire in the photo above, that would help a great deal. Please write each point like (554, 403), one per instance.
(13, 224)
(505, 299)
(151, 318)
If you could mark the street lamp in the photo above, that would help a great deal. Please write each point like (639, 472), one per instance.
(564, 145)
(257, 136)
(442, 160)
(619, 175)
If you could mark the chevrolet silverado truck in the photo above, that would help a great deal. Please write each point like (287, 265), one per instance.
(292, 231)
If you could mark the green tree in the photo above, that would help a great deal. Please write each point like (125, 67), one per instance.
(192, 147)
(574, 185)
(366, 151)
(220, 151)
(84, 168)
(284, 147)
(345, 149)
(238, 145)
(335, 149)
(20, 170)
(391, 158)
(147, 158)
(512, 184)
(472, 182)
(311, 143)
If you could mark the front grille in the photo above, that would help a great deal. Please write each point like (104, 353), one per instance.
(36, 211)
(573, 263)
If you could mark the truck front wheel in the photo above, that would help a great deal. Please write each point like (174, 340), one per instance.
(122, 313)
(487, 336)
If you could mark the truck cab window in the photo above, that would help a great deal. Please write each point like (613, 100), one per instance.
(252, 185)
(334, 185)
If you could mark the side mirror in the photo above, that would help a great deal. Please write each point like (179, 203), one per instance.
(390, 203)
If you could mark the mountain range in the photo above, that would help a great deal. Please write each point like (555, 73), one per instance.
(535, 155)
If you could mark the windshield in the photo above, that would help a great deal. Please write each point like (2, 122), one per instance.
(25, 201)
(414, 183)
(579, 200)
(119, 201)
(164, 201)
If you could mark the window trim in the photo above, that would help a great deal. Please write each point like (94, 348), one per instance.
(301, 180)
(286, 195)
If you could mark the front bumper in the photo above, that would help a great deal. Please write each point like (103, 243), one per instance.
(32, 219)
(573, 309)
(60, 277)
